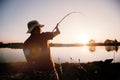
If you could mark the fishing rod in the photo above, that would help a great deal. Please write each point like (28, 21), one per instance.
(64, 18)
(53, 31)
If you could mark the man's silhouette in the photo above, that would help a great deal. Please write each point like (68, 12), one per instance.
(37, 49)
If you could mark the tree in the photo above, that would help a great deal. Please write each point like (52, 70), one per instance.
(91, 41)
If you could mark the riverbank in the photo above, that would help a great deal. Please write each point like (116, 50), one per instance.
(20, 45)
(67, 71)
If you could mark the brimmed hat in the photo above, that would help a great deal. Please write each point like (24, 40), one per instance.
(32, 24)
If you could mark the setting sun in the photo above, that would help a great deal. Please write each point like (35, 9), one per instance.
(83, 39)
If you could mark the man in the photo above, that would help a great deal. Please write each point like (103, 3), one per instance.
(37, 49)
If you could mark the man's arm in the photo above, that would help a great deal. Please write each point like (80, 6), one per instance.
(57, 31)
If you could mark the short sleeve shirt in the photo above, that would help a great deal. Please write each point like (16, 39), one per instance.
(39, 49)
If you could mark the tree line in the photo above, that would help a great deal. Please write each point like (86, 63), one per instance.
(92, 42)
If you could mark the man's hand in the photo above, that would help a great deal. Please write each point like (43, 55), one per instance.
(56, 31)
(57, 26)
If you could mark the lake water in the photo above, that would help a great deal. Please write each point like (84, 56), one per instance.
(67, 54)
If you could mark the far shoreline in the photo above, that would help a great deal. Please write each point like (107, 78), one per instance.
(20, 45)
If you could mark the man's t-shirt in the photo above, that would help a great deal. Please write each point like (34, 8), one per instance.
(37, 49)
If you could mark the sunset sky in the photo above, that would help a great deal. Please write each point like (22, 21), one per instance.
(99, 19)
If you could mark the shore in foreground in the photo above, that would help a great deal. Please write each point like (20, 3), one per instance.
(67, 71)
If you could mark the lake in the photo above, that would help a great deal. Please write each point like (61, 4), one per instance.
(67, 54)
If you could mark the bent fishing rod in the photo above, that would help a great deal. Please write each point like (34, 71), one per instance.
(64, 18)
(53, 31)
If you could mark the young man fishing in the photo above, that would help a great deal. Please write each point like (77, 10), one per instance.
(37, 49)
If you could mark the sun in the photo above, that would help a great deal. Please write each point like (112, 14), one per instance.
(83, 39)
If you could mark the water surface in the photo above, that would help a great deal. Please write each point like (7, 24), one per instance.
(65, 54)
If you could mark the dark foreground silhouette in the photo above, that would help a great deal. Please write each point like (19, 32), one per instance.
(67, 71)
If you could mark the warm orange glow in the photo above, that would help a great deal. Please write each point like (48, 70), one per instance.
(83, 39)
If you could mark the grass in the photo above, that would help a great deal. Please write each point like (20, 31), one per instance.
(70, 71)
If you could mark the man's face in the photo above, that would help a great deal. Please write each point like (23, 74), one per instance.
(37, 30)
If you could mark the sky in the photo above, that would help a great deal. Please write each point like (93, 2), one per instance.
(98, 19)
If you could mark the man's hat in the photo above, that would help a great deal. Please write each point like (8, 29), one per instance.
(32, 24)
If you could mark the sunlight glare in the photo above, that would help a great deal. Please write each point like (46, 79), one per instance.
(83, 39)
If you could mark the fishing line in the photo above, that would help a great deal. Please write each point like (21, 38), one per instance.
(64, 18)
